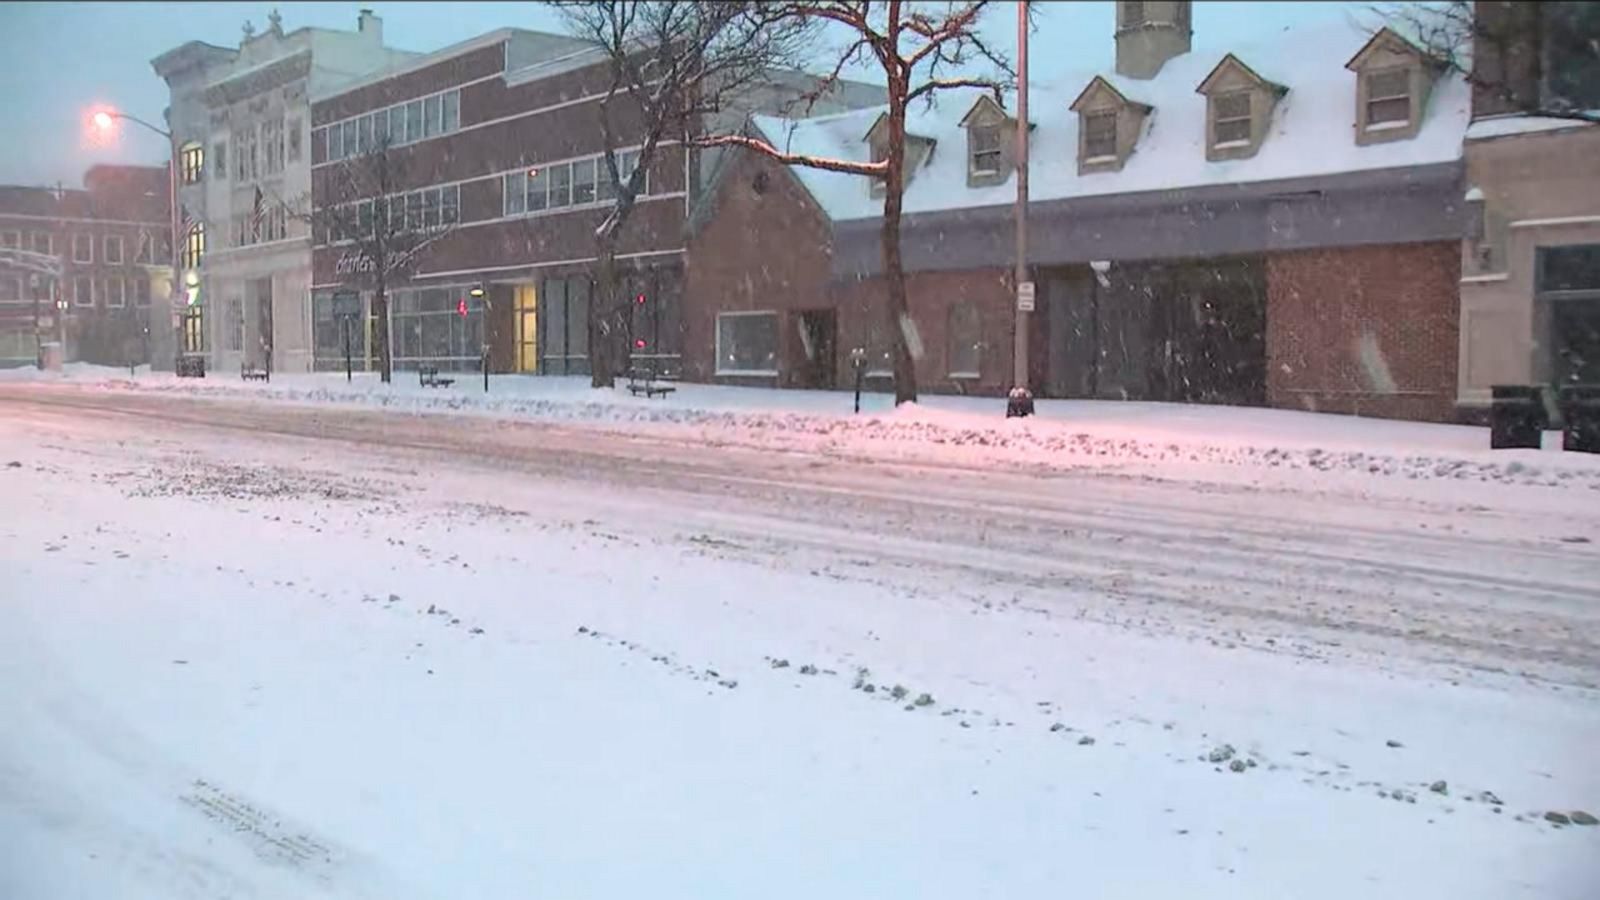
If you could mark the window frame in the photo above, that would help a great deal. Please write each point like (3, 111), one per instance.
(1106, 115)
(141, 293)
(1218, 120)
(106, 243)
(975, 150)
(194, 247)
(777, 338)
(83, 242)
(83, 298)
(49, 243)
(191, 162)
(1371, 98)
(964, 308)
(120, 295)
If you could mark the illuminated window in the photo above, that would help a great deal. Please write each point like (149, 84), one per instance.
(194, 247)
(191, 163)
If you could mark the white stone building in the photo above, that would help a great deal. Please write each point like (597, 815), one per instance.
(242, 121)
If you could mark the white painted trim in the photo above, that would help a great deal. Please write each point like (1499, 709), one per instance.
(1551, 223)
(527, 266)
(32, 218)
(1485, 279)
(536, 214)
(717, 343)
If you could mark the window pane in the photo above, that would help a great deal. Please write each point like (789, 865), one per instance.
(553, 322)
(627, 161)
(1398, 110)
(430, 116)
(1233, 106)
(1574, 268)
(452, 111)
(351, 140)
(604, 189)
(560, 185)
(1388, 85)
(747, 343)
(1233, 131)
(450, 204)
(583, 181)
(414, 219)
(397, 125)
(1100, 136)
(515, 193)
(538, 189)
(414, 121)
(430, 208)
(577, 317)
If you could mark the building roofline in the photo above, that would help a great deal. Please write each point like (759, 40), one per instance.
(422, 61)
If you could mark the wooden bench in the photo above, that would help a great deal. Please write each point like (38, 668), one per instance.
(643, 381)
(428, 376)
(251, 373)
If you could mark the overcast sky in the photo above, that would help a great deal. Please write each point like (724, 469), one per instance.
(59, 59)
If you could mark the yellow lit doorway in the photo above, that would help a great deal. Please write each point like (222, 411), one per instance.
(526, 304)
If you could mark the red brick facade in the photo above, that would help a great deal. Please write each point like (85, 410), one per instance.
(1365, 330)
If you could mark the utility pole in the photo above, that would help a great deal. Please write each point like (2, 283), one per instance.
(1020, 400)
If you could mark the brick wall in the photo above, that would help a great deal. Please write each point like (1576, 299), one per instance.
(762, 246)
(1366, 330)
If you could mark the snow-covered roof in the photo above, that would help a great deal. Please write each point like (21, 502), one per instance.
(1504, 126)
(1312, 132)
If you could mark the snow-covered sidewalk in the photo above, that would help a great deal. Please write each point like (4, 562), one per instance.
(1159, 439)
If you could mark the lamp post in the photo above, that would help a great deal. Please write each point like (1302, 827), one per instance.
(1020, 400)
(105, 120)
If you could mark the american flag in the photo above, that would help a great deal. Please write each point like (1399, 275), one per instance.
(257, 211)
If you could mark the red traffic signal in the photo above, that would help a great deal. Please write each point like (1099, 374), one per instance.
(638, 343)
(461, 307)
(639, 299)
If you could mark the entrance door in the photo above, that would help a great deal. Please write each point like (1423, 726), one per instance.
(818, 339)
(527, 312)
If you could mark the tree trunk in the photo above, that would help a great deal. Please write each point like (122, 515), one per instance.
(603, 337)
(380, 312)
(897, 308)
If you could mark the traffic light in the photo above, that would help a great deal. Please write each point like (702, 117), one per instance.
(461, 307)
(639, 300)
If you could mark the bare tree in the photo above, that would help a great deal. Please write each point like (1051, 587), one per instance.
(387, 230)
(921, 49)
(1535, 58)
(672, 64)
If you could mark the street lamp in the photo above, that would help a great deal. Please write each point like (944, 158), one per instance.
(105, 120)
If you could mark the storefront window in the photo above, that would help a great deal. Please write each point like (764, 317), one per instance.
(429, 329)
(747, 343)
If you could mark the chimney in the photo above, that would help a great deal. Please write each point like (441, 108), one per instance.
(367, 23)
(1150, 32)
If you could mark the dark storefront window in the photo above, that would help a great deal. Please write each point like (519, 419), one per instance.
(429, 329)
(564, 326)
(1569, 305)
(328, 338)
(655, 336)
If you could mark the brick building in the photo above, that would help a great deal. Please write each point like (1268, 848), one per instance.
(102, 249)
(493, 147)
(1277, 225)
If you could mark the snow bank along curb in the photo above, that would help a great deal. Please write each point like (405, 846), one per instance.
(1052, 444)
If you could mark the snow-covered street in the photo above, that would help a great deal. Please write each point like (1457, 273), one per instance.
(268, 645)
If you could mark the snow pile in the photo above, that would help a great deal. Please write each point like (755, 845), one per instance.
(954, 430)
(1311, 132)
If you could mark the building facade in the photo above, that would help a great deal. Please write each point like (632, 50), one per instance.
(482, 165)
(1530, 291)
(241, 118)
(102, 249)
(1278, 225)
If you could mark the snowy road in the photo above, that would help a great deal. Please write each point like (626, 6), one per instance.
(1089, 640)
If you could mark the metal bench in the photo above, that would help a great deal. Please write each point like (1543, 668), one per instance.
(251, 373)
(428, 376)
(644, 381)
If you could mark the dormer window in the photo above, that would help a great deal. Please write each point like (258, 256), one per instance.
(1393, 79)
(1239, 104)
(989, 138)
(917, 151)
(1100, 137)
(1230, 117)
(1388, 98)
(1108, 126)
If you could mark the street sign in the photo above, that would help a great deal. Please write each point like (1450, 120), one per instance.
(1025, 297)
(347, 304)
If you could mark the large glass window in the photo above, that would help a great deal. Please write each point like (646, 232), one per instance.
(194, 246)
(450, 205)
(414, 121)
(538, 190)
(191, 163)
(966, 340)
(431, 118)
(583, 181)
(452, 111)
(747, 343)
(515, 193)
(560, 185)
(564, 326)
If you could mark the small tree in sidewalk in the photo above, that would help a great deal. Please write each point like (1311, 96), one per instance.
(671, 65)
(386, 229)
(921, 49)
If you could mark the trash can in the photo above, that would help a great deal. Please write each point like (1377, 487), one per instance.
(1517, 416)
(51, 356)
(191, 367)
(1580, 417)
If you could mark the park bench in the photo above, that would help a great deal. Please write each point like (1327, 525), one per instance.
(643, 380)
(428, 376)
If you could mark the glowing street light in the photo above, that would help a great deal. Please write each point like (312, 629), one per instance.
(104, 121)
